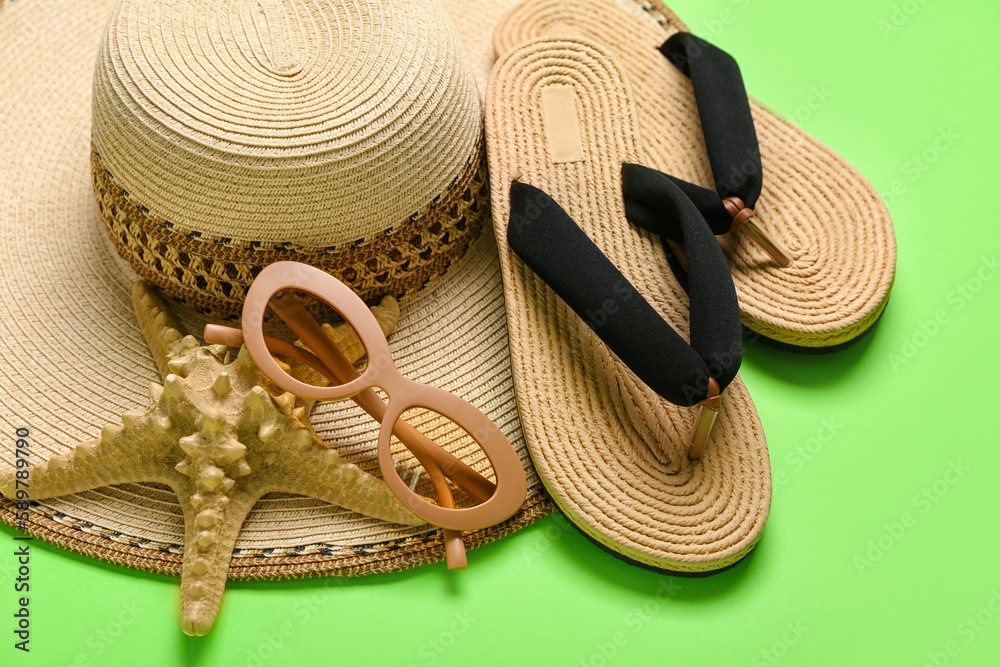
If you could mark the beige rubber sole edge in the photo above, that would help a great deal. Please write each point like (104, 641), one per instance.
(612, 454)
(814, 202)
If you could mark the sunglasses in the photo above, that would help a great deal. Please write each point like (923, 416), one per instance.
(275, 288)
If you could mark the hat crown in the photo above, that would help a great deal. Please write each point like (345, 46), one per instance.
(278, 121)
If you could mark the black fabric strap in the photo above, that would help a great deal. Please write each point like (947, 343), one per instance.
(554, 246)
(731, 143)
(726, 121)
(647, 202)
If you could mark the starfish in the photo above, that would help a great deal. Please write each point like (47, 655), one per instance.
(220, 434)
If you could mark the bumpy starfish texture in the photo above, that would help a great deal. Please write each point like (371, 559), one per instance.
(220, 435)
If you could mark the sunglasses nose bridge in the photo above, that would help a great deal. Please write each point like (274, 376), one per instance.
(381, 371)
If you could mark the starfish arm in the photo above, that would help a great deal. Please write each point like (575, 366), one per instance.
(319, 472)
(297, 462)
(119, 457)
(212, 523)
(163, 332)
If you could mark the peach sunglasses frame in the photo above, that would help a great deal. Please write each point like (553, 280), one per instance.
(381, 371)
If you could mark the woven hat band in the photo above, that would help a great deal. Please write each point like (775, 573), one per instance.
(213, 273)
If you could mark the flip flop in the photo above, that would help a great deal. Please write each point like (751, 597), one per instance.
(813, 205)
(591, 305)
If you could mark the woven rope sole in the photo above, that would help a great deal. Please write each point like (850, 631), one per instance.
(611, 452)
(75, 358)
(814, 202)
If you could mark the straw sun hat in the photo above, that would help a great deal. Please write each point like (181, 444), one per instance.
(211, 139)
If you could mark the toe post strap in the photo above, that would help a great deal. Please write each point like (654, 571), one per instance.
(743, 219)
(708, 412)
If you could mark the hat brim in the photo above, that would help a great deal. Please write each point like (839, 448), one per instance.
(75, 358)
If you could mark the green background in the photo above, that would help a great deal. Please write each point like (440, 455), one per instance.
(881, 547)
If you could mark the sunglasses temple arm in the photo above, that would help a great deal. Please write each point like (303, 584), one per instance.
(220, 335)
(216, 334)
(288, 308)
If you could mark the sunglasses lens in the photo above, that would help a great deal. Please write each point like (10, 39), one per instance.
(327, 350)
(422, 435)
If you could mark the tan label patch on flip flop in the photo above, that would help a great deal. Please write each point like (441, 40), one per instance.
(562, 125)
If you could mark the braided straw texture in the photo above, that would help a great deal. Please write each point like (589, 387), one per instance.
(213, 275)
(228, 135)
(813, 202)
(610, 451)
(75, 358)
